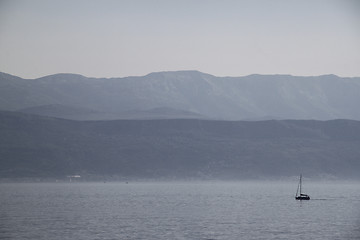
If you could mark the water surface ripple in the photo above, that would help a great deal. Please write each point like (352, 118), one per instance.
(207, 210)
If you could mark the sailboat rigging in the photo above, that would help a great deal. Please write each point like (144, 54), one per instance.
(299, 195)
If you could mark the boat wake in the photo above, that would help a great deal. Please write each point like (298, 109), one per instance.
(322, 199)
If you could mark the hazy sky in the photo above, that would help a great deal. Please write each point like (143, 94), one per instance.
(223, 38)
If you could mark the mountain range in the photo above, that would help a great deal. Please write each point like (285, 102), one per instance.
(183, 94)
(179, 125)
(44, 147)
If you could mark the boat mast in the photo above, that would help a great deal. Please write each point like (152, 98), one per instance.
(297, 190)
(300, 183)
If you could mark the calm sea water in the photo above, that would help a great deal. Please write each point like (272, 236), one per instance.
(207, 210)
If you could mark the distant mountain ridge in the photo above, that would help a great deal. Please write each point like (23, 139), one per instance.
(78, 113)
(43, 147)
(189, 94)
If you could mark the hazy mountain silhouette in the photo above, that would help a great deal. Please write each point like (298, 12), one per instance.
(191, 94)
(78, 113)
(34, 146)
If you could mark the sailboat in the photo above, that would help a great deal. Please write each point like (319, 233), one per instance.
(299, 195)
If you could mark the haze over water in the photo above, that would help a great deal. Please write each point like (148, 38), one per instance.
(206, 210)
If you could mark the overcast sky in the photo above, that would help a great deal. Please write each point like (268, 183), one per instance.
(223, 38)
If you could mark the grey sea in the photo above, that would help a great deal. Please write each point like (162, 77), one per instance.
(199, 210)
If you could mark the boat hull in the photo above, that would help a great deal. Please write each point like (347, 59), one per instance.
(302, 198)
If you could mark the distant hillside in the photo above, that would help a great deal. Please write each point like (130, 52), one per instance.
(77, 113)
(196, 94)
(60, 111)
(33, 146)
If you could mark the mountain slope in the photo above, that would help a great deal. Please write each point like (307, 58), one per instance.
(78, 113)
(228, 98)
(33, 146)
